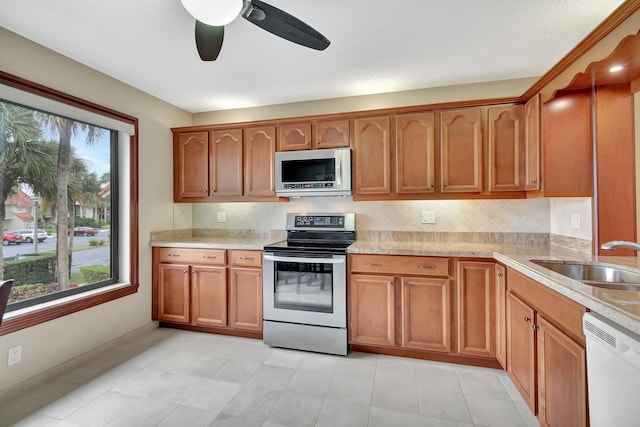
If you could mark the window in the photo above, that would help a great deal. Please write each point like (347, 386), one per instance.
(50, 141)
(40, 154)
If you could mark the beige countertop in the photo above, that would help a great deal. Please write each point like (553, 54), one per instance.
(620, 306)
(243, 243)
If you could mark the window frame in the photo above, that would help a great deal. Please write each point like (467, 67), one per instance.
(54, 309)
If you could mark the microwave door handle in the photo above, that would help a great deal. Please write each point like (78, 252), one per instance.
(303, 260)
(338, 170)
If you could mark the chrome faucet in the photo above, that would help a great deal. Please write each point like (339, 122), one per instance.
(615, 244)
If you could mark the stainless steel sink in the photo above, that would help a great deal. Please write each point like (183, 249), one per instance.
(595, 274)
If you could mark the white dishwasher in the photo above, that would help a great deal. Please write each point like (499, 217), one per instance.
(613, 373)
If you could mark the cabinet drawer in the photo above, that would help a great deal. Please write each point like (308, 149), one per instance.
(560, 310)
(193, 256)
(400, 264)
(246, 258)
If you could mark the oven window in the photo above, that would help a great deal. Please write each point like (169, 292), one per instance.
(304, 286)
(309, 170)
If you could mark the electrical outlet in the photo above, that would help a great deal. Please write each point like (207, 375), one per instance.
(221, 217)
(15, 355)
(428, 217)
(575, 220)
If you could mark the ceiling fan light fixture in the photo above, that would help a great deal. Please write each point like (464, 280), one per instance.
(213, 12)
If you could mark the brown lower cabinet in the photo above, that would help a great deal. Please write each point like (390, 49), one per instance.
(416, 304)
(208, 289)
(546, 357)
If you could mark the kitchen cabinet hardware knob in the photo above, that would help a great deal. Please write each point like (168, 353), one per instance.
(527, 319)
(259, 275)
(204, 191)
(427, 266)
(404, 284)
(444, 185)
(432, 186)
(500, 274)
(308, 142)
(185, 271)
(371, 264)
(318, 142)
(535, 327)
(194, 271)
(534, 181)
(390, 283)
(246, 258)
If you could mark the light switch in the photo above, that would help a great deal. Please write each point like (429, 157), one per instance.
(575, 220)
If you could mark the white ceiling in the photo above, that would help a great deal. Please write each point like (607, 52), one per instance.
(376, 46)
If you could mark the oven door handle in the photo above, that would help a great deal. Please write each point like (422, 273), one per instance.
(303, 260)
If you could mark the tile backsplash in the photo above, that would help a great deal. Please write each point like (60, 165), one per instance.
(506, 216)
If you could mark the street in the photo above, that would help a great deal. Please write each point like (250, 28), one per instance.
(94, 255)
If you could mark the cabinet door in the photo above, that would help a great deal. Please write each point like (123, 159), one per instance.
(372, 156)
(426, 314)
(226, 163)
(372, 310)
(501, 312)
(245, 304)
(476, 306)
(294, 136)
(461, 150)
(191, 165)
(414, 153)
(332, 133)
(173, 293)
(561, 378)
(209, 300)
(506, 151)
(259, 163)
(532, 144)
(521, 365)
(567, 145)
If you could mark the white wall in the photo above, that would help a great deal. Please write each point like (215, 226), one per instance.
(561, 211)
(52, 343)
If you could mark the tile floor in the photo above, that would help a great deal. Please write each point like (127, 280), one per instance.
(170, 377)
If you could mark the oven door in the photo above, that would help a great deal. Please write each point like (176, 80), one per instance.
(305, 288)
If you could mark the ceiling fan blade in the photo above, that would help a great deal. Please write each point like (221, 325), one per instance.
(209, 40)
(284, 25)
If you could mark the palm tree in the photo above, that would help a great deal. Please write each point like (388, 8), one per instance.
(23, 158)
(65, 129)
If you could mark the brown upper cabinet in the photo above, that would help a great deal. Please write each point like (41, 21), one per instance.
(567, 145)
(372, 155)
(233, 164)
(461, 150)
(332, 133)
(190, 165)
(505, 148)
(532, 144)
(414, 153)
(226, 163)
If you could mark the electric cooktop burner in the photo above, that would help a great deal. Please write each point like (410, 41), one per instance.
(322, 233)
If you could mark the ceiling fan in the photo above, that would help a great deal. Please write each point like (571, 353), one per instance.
(212, 15)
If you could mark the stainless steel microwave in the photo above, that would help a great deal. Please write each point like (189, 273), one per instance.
(324, 172)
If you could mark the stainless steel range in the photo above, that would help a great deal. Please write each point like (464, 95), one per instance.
(305, 284)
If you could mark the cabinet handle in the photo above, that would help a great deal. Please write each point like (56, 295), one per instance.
(308, 142)
(534, 181)
(371, 264)
(246, 258)
(259, 275)
(390, 283)
(318, 142)
(432, 186)
(173, 255)
(444, 185)
(535, 327)
(204, 191)
(432, 267)
(404, 284)
(209, 257)
(194, 271)
(499, 274)
(527, 319)
(185, 271)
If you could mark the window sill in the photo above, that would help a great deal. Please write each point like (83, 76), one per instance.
(20, 319)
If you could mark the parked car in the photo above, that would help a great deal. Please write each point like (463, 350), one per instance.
(27, 235)
(84, 231)
(9, 237)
